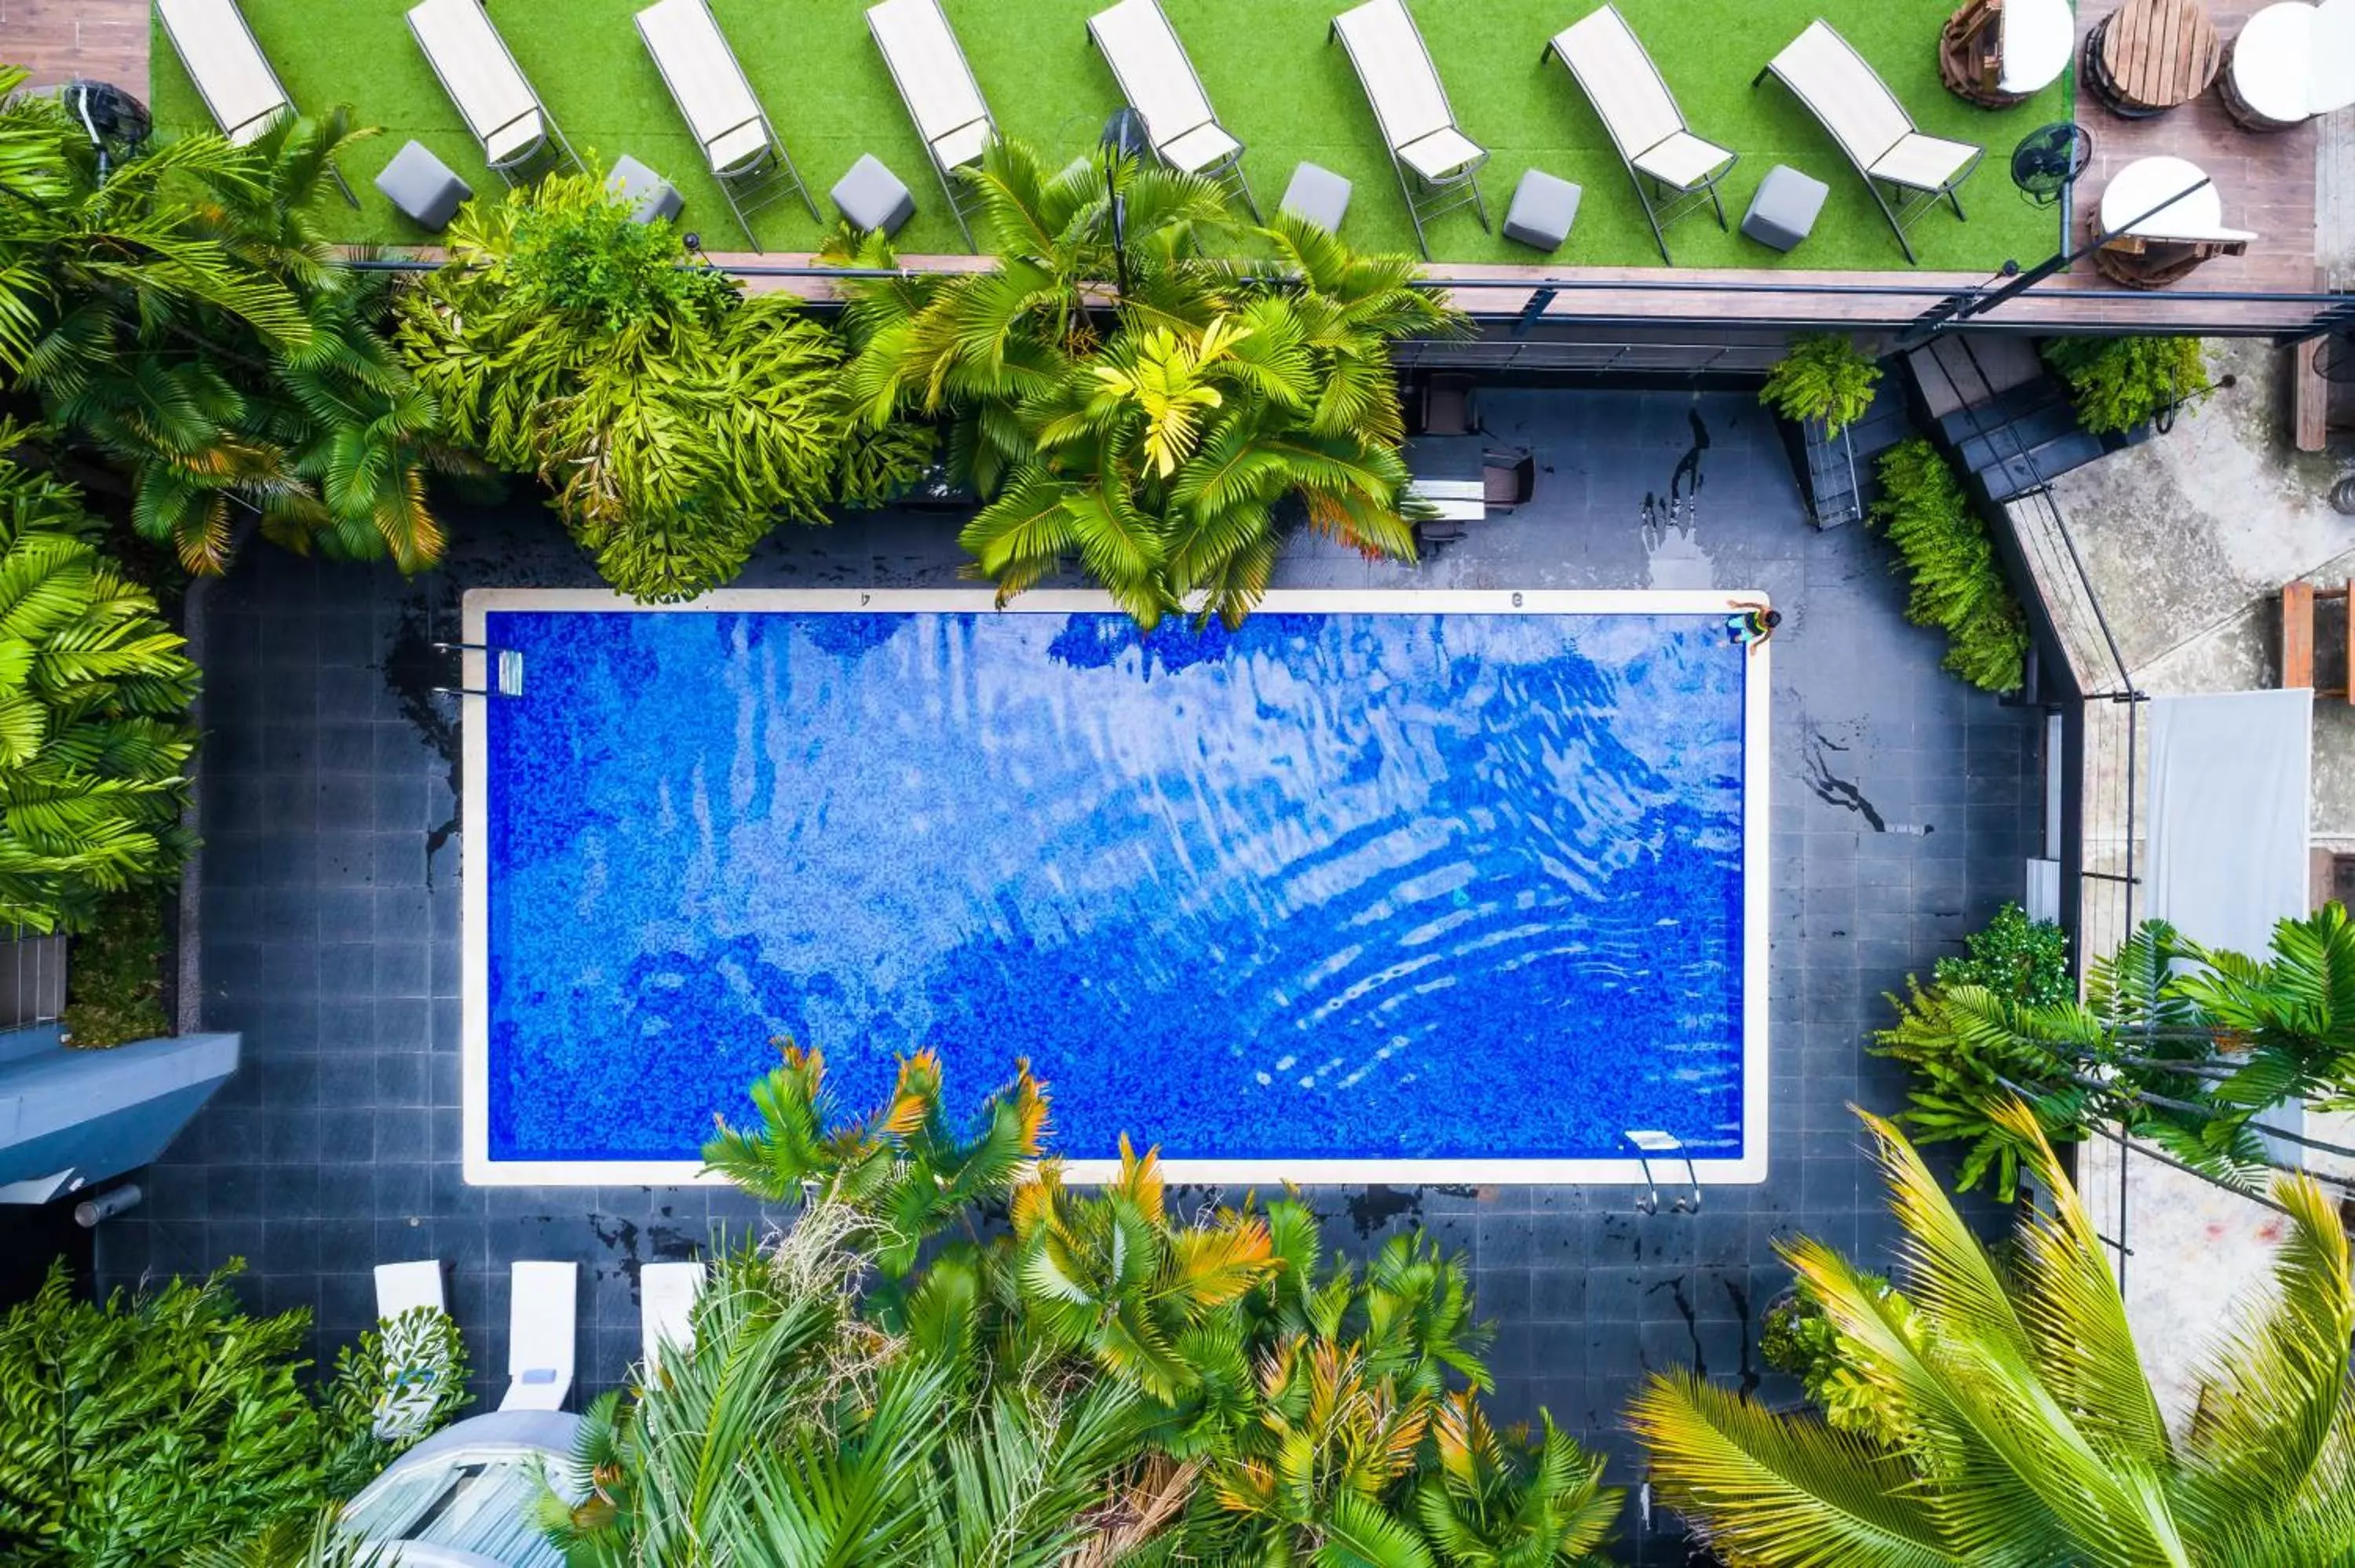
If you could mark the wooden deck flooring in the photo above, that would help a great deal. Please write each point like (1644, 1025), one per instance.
(2268, 183)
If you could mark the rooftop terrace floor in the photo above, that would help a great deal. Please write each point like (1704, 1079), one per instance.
(1903, 804)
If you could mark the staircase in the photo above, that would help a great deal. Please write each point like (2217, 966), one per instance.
(2008, 423)
(1841, 474)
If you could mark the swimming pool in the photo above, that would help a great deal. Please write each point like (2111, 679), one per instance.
(1456, 886)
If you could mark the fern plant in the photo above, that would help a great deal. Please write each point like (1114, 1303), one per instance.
(676, 419)
(1958, 585)
(94, 692)
(1823, 375)
(2122, 382)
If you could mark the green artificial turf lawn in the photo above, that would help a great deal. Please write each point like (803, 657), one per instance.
(1275, 82)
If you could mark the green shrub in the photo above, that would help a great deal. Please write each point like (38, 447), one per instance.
(676, 419)
(139, 1430)
(94, 692)
(1823, 376)
(1797, 1338)
(114, 978)
(2016, 958)
(1957, 583)
(2122, 382)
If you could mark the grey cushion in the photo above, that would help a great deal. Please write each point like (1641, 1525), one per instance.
(1544, 206)
(656, 197)
(1319, 195)
(872, 196)
(426, 190)
(1783, 212)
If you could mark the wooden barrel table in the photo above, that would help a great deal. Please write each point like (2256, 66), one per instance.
(2149, 56)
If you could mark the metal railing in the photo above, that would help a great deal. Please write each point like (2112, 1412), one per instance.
(1687, 302)
(32, 981)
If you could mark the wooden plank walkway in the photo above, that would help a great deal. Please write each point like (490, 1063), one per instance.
(2268, 183)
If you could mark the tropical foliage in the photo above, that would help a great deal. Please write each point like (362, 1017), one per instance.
(2181, 1044)
(94, 691)
(1957, 584)
(1102, 1380)
(675, 418)
(148, 1429)
(114, 985)
(182, 314)
(1163, 433)
(1824, 376)
(2021, 1429)
(2122, 382)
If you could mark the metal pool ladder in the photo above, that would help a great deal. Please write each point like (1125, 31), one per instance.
(506, 667)
(1667, 1146)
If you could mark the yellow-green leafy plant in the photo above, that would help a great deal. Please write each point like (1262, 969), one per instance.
(674, 417)
(1823, 375)
(2019, 1426)
(2122, 382)
(1957, 583)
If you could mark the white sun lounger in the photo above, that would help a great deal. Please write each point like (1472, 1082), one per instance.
(543, 1318)
(404, 1286)
(232, 75)
(929, 69)
(1159, 81)
(711, 92)
(1436, 163)
(487, 86)
(666, 1293)
(1674, 172)
(1872, 127)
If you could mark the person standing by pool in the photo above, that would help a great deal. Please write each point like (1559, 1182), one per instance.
(1752, 622)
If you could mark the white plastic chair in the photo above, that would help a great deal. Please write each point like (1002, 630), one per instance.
(404, 1286)
(667, 1296)
(1437, 165)
(928, 67)
(543, 1319)
(1158, 78)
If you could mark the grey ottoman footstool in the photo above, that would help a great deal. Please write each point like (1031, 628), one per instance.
(1319, 195)
(1544, 206)
(425, 189)
(656, 197)
(872, 197)
(1783, 212)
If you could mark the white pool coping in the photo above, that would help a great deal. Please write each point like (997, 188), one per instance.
(474, 883)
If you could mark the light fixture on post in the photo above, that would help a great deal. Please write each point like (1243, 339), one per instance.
(1124, 137)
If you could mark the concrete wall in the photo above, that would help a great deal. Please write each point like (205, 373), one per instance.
(88, 1116)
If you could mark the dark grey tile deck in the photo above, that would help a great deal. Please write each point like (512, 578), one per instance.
(330, 921)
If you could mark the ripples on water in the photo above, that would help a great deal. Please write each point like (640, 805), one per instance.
(1406, 886)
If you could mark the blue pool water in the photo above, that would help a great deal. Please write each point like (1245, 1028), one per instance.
(1366, 886)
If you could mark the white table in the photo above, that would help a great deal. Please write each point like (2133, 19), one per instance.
(1458, 500)
(2038, 38)
(2292, 62)
(2153, 245)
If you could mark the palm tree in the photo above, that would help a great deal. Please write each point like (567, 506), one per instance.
(94, 692)
(182, 314)
(1170, 448)
(2029, 1432)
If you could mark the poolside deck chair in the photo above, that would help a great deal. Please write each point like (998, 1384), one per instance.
(404, 1286)
(543, 1318)
(929, 69)
(1675, 172)
(710, 88)
(1159, 81)
(1872, 128)
(232, 75)
(514, 130)
(666, 1293)
(1437, 165)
